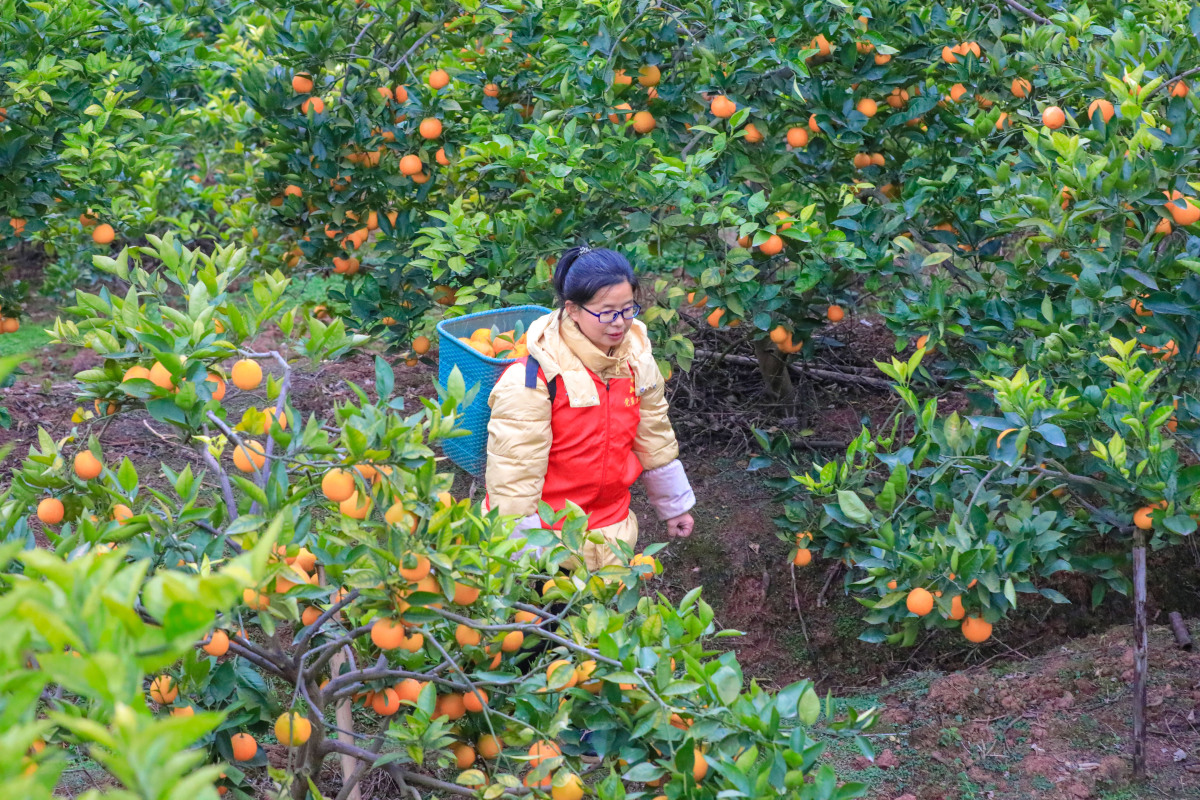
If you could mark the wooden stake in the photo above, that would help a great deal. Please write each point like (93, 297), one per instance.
(1139, 655)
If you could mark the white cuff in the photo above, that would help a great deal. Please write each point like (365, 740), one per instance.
(668, 489)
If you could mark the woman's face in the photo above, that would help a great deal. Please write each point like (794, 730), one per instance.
(611, 298)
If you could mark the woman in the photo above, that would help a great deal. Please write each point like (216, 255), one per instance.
(587, 414)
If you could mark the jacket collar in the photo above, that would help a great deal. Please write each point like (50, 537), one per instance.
(561, 349)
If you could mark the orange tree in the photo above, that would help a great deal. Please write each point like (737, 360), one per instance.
(118, 121)
(483, 658)
(880, 151)
(945, 521)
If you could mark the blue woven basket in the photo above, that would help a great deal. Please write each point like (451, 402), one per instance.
(470, 452)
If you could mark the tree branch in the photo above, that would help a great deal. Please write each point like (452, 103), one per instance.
(1033, 15)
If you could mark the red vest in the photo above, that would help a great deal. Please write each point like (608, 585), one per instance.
(592, 462)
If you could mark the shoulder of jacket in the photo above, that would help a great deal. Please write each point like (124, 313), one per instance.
(512, 389)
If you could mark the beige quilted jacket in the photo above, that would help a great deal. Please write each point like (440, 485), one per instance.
(519, 432)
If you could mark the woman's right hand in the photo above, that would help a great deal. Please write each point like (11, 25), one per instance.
(680, 527)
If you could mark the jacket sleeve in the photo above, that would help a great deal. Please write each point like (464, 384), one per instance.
(518, 448)
(655, 444)
(666, 483)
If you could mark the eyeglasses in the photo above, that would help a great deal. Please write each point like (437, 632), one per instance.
(609, 317)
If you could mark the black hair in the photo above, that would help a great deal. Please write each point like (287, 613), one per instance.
(582, 272)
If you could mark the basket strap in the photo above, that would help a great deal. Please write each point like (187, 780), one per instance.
(531, 375)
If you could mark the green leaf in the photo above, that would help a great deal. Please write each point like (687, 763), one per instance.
(853, 507)
(727, 683)
(809, 708)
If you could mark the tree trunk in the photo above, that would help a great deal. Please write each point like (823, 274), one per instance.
(343, 714)
(775, 373)
(1139, 655)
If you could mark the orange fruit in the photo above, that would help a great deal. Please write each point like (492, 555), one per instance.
(571, 788)
(722, 107)
(1002, 121)
(948, 55)
(491, 90)
(489, 746)
(102, 233)
(475, 701)
(247, 374)
(1179, 89)
(292, 729)
(249, 456)
(1181, 209)
(753, 136)
(714, 317)
(441, 157)
(1142, 518)
(543, 750)
(51, 511)
(976, 629)
(1021, 87)
(416, 572)
(512, 641)
(644, 122)
(772, 246)
(255, 599)
(356, 506)
(464, 755)
(881, 59)
(244, 746)
(310, 616)
(302, 83)
(464, 595)
(315, 104)
(701, 766)
(779, 334)
(388, 634)
(449, 705)
(803, 557)
(797, 137)
(411, 164)
(861, 160)
(386, 703)
(218, 644)
(1163, 227)
(338, 485)
(467, 636)
(1103, 106)
(812, 123)
(439, 79)
(919, 601)
(87, 466)
(649, 75)
(163, 690)
(1053, 117)
(216, 384)
(821, 45)
(431, 128)
(867, 107)
(409, 690)
(121, 512)
(956, 608)
(835, 313)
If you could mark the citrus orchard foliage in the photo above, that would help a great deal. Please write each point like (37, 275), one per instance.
(854, 150)
(118, 120)
(955, 521)
(355, 575)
